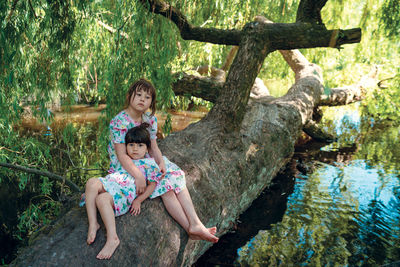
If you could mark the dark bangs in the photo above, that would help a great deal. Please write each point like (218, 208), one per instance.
(138, 134)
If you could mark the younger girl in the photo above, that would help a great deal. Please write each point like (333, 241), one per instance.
(140, 97)
(115, 193)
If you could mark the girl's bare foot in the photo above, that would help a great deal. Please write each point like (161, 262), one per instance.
(92, 231)
(108, 249)
(212, 230)
(200, 232)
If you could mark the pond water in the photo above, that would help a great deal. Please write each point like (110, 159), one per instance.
(334, 205)
(83, 114)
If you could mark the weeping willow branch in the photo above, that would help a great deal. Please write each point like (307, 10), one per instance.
(10, 150)
(32, 10)
(14, 5)
(111, 29)
(50, 175)
(381, 82)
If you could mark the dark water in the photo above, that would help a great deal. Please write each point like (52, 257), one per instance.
(334, 205)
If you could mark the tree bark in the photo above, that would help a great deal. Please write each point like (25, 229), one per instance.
(310, 11)
(229, 158)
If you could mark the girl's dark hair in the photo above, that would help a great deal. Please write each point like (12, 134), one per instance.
(142, 85)
(138, 134)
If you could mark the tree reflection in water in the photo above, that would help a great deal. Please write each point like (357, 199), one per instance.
(345, 212)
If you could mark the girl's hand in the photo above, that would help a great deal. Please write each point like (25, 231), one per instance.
(140, 183)
(135, 207)
(163, 170)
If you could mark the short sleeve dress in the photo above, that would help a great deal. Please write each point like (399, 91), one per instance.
(119, 126)
(120, 184)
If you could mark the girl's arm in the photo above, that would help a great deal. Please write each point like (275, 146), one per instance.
(155, 153)
(130, 167)
(135, 208)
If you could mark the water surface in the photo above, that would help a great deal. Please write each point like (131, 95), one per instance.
(336, 204)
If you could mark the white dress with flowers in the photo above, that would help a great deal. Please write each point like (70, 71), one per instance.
(120, 184)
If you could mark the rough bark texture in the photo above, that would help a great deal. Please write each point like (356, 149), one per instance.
(310, 11)
(229, 157)
(203, 87)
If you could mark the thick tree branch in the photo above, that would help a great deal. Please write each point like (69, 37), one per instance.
(231, 104)
(209, 88)
(296, 61)
(310, 11)
(203, 87)
(289, 36)
(50, 175)
(352, 93)
(229, 58)
(189, 32)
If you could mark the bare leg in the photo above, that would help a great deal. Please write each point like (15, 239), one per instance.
(196, 228)
(174, 208)
(104, 202)
(93, 188)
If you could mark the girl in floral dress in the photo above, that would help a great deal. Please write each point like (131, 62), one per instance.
(141, 96)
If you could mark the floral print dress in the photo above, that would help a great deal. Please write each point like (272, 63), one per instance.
(119, 126)
(120, 184)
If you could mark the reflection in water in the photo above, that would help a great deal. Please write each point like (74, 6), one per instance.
(346, 212)
(336, 216)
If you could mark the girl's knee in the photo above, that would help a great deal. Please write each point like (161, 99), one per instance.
(93, 183)
(168, 195)
(103, 198)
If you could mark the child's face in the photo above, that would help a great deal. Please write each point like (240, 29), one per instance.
(136, 150)
(141, 101)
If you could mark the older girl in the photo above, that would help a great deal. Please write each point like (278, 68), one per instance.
(141, 96)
